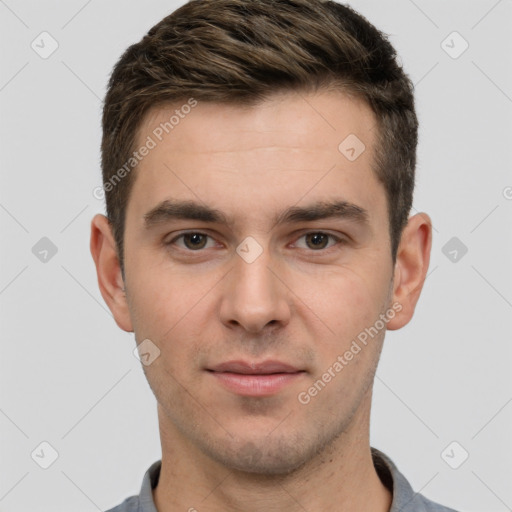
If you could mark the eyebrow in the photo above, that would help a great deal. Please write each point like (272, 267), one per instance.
(171, 209)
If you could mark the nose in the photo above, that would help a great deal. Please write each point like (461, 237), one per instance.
(255, 294)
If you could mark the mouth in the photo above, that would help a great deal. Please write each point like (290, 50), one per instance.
(255, 379)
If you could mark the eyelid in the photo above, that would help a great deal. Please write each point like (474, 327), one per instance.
(338, 238)
(184, 233)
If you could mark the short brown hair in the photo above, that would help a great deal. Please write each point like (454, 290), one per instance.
(242, 51)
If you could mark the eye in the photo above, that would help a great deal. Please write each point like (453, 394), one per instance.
(192, 241)
(317, 240)
(195, 241)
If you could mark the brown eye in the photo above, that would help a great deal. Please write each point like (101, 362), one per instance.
(192, 241)
(317, 240)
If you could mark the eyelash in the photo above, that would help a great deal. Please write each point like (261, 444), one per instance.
(339, 241)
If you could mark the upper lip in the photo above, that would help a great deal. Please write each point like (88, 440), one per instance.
(254, 368)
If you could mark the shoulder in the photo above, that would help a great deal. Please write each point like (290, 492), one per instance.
(131, 504)
(144, 501)
(422, 504)
(404, 497)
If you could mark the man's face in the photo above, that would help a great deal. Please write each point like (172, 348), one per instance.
(225, 299)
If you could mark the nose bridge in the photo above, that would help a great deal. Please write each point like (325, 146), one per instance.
(254, 296)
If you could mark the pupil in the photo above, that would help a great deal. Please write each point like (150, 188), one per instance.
(195, 239)
(317, 237)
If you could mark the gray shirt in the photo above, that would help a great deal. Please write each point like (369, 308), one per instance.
(404, 498)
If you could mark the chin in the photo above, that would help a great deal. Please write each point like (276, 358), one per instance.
(262, 457)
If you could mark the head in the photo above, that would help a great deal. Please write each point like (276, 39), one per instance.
(223, 147)
(240, 52)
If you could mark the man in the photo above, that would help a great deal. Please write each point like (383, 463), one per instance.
(258, 160)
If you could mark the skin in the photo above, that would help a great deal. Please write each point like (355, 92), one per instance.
(295, 303)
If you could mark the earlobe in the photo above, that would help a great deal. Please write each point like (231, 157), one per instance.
(108, 270)
(412, 261)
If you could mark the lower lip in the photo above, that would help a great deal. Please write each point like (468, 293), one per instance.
(255, 385)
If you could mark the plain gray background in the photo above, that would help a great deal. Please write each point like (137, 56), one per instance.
(67, 372)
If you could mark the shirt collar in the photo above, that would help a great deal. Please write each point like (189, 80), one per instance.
(149, 482)
(402, 492)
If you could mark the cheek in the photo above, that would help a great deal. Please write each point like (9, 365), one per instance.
(162, 298)
(344, 301)
(173, 310)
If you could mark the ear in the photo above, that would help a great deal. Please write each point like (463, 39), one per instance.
(108, 269)
(413, 258)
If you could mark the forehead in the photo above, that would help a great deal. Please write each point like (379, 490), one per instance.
(258, 157)
(314, 121)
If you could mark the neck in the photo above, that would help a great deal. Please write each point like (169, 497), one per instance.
(341, 477)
